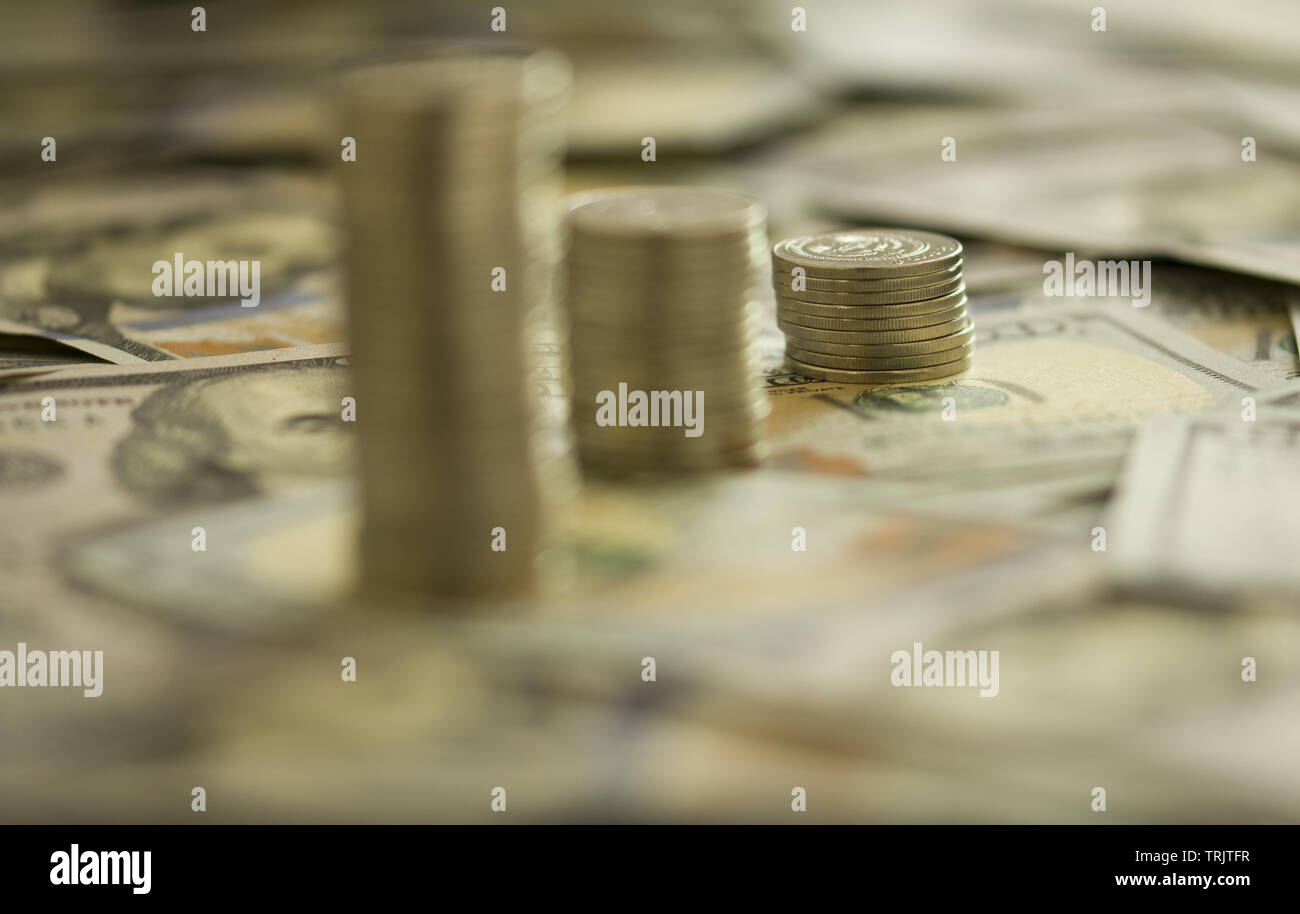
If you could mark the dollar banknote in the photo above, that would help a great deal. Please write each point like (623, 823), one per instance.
(1078, 693)
(24, 353)
(1295, 321)
(99, 452)
(1049, 405)
(1207, 503)
(1246, 317)
(1078, 682)
(79, 263)
(1091, 691)
(1169, 182)
(977, 55)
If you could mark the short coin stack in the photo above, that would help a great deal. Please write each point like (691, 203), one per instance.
(661, 295)
(452, 235)
(873, 306)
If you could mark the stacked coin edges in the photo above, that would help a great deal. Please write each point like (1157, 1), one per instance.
(873, 322)
(459, 171)
(668, 306)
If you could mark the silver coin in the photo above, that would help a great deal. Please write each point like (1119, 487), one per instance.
(784, 281)
(879, 363)
(839, 342)
(454, 436)
(873, 312)
(868, 253)
(678, 213)
(875, 337)
(621, 463)
(863, 299)
(907, 322)
(889, 377)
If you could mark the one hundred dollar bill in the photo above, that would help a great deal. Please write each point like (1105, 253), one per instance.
(1209, 504)
(1052, 394)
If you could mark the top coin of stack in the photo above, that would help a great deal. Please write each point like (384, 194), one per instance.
(452, 236)
(661, 295)
(873, 306)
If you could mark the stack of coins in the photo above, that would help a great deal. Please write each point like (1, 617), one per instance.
(661, 295)
(873, 306)
(452, 229)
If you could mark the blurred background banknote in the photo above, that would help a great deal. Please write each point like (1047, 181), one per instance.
(1208, 502)
(78, 256)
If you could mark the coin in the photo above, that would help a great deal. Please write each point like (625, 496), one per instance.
(875, 337)
(868, 253)
(457, 439)
(831, 284)
(896, 376)
(637, 461)
(881, 362)
(786, 282)
(653, 256)
(847, 340)
(717, 293)
(907, 322)
(661, 289)
(872, 305)
(679, 214)
(873, 312)
(921, 293)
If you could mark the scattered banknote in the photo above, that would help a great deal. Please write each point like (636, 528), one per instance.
(77, 263)
(938, 47)
(1079, 686)
(24, 353)
(757, 729)
(1051, 400)
(1295, 320)
(1242, 316)
(1283, 396)
(1109, 182)
(1208, 502)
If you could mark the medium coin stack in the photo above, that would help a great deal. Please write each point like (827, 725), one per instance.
(452, 227)
(661, 297)
(873, 306)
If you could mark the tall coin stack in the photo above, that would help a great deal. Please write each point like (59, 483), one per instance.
(661, 298)
(453, 235)
(873, 306)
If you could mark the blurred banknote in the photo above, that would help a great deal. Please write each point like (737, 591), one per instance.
(1051, 400)
(1211, 502)
(22, 353)
(1117, 182)
(1249, 318)
(79, 264)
